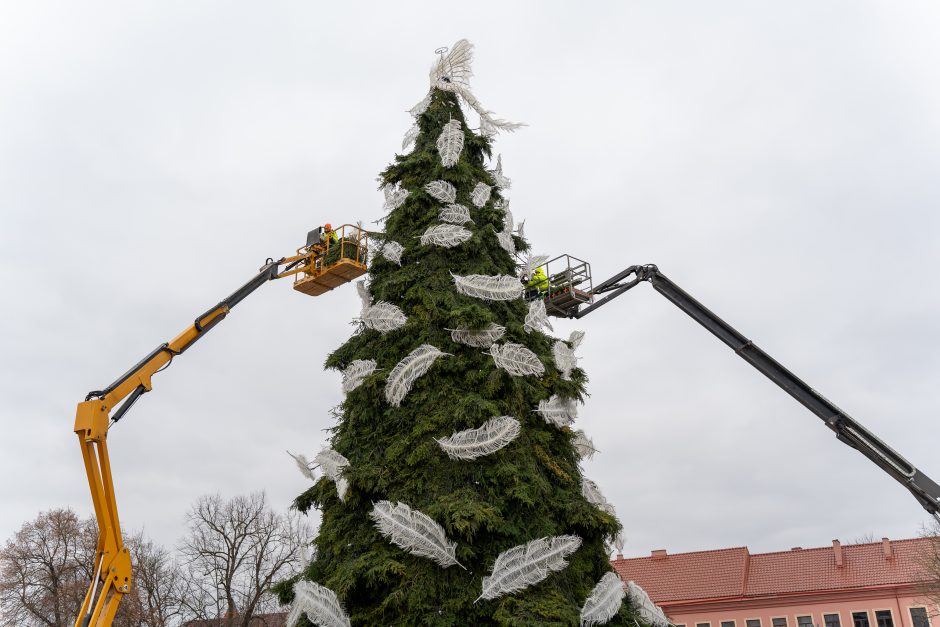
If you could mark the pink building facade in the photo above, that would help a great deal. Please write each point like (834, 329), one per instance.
(861, 585)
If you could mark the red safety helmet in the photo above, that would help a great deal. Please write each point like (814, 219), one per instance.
(328, 227)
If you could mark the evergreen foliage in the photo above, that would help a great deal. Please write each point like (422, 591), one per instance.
(528, 489)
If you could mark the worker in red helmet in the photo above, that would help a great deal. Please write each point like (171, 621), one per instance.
(329, 235)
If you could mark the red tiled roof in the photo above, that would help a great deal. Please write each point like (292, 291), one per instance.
(736, 573)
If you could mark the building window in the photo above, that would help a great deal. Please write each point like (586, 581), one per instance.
(727, 623)
(919, 617)
(782, 622)
(703, 625)
(860, 619)
(755, 622)
(883, 618)
(831, 620)
(804, 621)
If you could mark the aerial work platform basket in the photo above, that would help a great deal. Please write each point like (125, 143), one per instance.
(331, 258)
(564, 284)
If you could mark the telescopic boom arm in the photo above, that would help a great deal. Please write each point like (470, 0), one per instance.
(924, 489)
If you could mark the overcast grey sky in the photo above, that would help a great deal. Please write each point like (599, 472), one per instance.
(777, 160)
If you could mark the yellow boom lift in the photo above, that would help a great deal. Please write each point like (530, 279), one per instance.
(329, 259)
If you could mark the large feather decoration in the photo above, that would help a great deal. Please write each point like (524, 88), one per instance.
(395, 196)
(410, 136)
(481, 194)
(421, 107)
(619, 542)
(472, 443)
(303, 464)
(356, 372)
(392, 251)
(644, 606)
(415, 532)
(583, 445)
(441, 190)
(516, 359)
(486, 287)
(450, 143)
(406, 372)
(531, 263)
(501, 181)
(565, 359)
(506, 242)
(364, 296)
(536, 319)
(383, 317)
(527, 564)
(455, 214)
(446, 235)
(558, 411)
(575, 339)
(319, 603)
(604, 602)
(594, 496)
(479, 338)
(332, 464)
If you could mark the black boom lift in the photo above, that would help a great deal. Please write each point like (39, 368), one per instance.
(570, 293)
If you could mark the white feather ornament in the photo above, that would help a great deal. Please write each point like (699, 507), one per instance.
(604, 602)
(594, 496)
(479, 338)
(421, 107)
(536, 319)
(446, 235)
(516, 359)
(489, 438)
(415, 532)
(506, 242)
(303, 465)
(501, 181)
(406, 372)
(520, 230)
(575, 339)
(332, 464)
(486, 287)
(565, 359)
(527, 564)
(531, 263)
(481, 194)
(319, 603)
(455, 214)
(410, 137)
(450, 143)
(441, 190)
(392, 251)
(644, 606)
(583, 445)
(558, 411)
(395, 196)
(364, 295)
(488, 123)
(356, 372)
(383, 317)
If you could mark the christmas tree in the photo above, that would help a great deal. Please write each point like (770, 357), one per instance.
(451, 491)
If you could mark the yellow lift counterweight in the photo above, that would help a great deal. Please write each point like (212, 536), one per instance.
(328, 259)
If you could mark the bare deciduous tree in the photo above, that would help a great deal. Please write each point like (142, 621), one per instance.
(234, 551)
(46, 567)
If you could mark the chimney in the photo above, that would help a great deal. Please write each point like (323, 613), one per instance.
(659, 554)
(886, 548)
(837, 551)
(797, 548)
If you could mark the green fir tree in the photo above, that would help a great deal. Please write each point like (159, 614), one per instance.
(528, 489)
